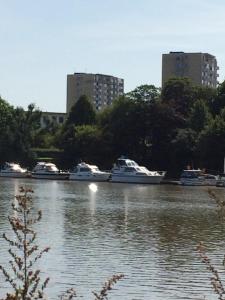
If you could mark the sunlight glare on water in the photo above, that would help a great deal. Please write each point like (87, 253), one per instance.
(93, 187)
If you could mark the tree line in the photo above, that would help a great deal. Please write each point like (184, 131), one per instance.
(165, 129)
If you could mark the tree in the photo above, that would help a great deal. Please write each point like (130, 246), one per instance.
(211, 144)
(82, 113)
(17, 132)
(161, 129)
(145, 93)
(219, 101)
(184, 146)
(178, 93)
(25, 125)
(84, 142)
(123, 128)
(6, 132)
(5, 113)
(199, 116)
(141, 130)
(88, 144)
(208, 96)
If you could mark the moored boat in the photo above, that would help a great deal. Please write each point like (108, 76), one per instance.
(10, 169)
(128, 171)
(197, 177)
(86, 172)
(221, 180)
(44, 170)
(221, 177)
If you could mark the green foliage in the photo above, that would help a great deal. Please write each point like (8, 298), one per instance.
(82, 112)
(47, 137)
(211, 144)
(219, 101)
(184, 123)
(207, 95)
(161, 134)
(199, 116)
(5, 114)
(6, 132)
(184, 146)
(162, 125)
(18, 129)
(82, 142)
(25, 126)
(179, 94)
(124, 128)
(144, 93)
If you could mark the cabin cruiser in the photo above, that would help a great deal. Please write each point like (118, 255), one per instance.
(44, 170)
(128, 171)
(86, 172)
(13, 170)
(197, 177)
(221, 180)
(221, 177)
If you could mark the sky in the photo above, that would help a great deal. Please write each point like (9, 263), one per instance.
(43, 41)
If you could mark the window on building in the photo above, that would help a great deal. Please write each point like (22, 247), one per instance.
(61, 120)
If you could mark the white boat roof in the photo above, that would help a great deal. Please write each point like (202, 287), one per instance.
(192, 170)
(83, 164)
(42, 163)
(127, 160)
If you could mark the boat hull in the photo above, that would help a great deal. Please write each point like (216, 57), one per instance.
(14, 174)
(198, 182)
(154, 179)
(96, 178)
(52, 176)
(220, 183)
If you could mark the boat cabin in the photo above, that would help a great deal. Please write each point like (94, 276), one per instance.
(123, 162)
(191, 173)
(84, 168)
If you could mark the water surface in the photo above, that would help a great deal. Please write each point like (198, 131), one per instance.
(147, 232)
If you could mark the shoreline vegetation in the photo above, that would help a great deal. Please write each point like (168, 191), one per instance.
(169, 129)
(25, 280)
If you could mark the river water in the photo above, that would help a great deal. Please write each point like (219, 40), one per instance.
(147, 232)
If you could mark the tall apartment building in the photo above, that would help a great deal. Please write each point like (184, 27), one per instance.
(201, 68)
(100, 89)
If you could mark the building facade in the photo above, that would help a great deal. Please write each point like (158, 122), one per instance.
(100, 89)
(201, 68)
(52, 118)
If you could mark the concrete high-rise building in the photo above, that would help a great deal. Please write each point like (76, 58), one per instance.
(100, 89)
(201, 68)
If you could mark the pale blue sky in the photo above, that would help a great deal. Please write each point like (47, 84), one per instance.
(43, 41)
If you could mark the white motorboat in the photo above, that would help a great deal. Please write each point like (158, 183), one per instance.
(128, 171)
(86, 172)
(44, 170)
(13, 170)
(197, 177)
(221, 177)
(221, 180)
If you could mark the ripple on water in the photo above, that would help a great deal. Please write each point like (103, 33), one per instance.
(149, 233)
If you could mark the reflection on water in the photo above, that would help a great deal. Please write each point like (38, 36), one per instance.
(149, 233)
